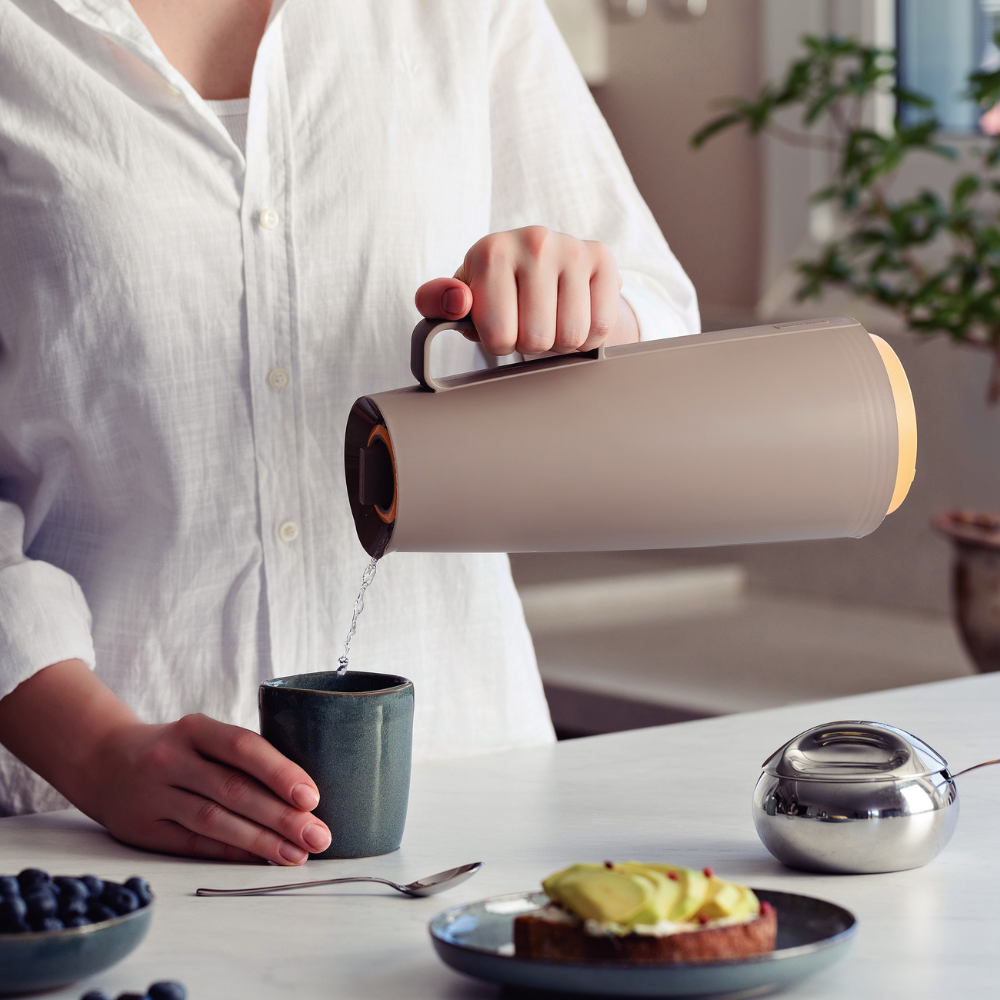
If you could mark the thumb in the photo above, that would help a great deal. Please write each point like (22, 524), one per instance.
(443, 298)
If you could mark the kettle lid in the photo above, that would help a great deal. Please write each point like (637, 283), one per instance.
(854, 751)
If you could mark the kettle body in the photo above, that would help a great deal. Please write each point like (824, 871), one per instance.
(779, 432)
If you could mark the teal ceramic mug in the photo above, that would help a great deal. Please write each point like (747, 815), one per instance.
(353, 735)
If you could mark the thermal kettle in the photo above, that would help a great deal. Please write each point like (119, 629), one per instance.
(771, 433)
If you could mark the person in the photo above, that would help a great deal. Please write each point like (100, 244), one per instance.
(213, 215)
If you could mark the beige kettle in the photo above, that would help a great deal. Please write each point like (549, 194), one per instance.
(771, 433)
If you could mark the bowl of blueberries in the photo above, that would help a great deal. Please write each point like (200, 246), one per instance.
(55, 930)
(167, 990)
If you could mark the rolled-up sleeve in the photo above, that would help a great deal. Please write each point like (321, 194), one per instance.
(44, 617)
(556, 163)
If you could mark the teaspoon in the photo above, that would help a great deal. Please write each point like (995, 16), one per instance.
(428, 886)
(966, 770)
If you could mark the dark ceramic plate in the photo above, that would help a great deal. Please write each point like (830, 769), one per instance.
(47, 959)
(478, 939)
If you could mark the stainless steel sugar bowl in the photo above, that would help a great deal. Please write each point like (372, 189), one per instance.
(853, 798)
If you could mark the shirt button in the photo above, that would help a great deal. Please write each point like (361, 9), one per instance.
(288, 531)
(268, 218)
(278, 378)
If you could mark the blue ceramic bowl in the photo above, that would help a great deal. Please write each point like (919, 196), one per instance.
(46, 959)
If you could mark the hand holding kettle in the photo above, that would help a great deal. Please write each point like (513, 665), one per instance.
(533, 290)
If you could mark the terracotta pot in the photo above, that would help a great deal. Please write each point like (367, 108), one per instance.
(975, 582)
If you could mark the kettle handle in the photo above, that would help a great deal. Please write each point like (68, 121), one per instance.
(420, 348)
(427, 329)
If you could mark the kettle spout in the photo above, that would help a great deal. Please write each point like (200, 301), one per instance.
(376, 482)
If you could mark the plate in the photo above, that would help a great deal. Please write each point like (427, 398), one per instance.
(45, 959)
(478, 940)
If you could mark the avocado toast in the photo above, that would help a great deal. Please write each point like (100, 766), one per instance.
(644, 913)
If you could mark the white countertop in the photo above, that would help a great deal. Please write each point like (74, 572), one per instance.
(679, 793)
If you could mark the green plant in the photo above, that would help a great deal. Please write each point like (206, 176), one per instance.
(934, 258)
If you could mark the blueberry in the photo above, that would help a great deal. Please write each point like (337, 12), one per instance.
(77, 922)
(40, 904)
(32, 877)
(110, 888)
(170, 990)
(95, 885)
(72, 908)
(141, 888)
(9, 886)
(48, 924)
(20, 927)
(98, 911)
(120, 899)
(13, 910)
(70, 888)
(96, 995)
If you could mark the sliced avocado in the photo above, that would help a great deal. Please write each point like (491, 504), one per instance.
(694, 891)
(667, 893)
(749, 904)
(725, 899)
(634, 893)
(553, 880)
(605, 894)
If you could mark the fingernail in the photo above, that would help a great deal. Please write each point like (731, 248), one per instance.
(453, 300)
(292, 853)
(305, 797)
(316, 836)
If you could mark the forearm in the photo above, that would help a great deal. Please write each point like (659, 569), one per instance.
(56, 722)
(195, 786)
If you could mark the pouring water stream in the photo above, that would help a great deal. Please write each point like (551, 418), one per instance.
(359, 606)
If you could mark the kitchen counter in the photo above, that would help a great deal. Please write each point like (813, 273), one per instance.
(678, 793)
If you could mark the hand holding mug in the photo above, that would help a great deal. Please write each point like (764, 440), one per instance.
(196, 787)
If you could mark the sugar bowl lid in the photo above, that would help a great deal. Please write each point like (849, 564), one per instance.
(854, 751)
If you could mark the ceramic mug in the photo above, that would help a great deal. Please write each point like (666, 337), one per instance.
(353, 735)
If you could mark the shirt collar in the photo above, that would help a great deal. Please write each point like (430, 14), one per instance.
(118, 21)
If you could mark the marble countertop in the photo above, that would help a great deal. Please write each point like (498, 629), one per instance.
(679, 793)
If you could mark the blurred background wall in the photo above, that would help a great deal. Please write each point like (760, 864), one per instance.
(663, 76)
(736, 213)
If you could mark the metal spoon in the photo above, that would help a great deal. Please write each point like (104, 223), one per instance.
(966, 770)
(429, 886)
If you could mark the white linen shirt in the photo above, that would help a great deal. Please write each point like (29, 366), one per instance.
(184, 329)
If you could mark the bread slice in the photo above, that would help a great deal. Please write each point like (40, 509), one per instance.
(538, 937)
